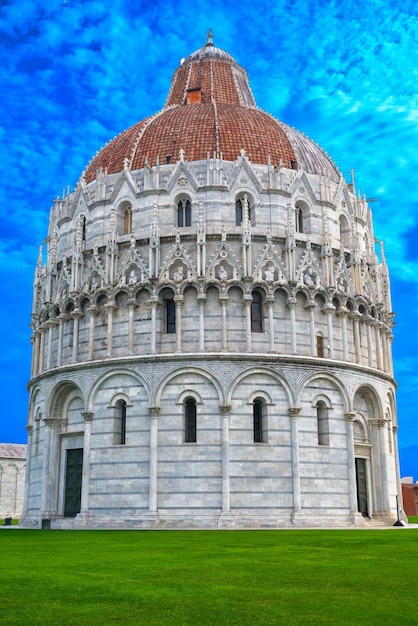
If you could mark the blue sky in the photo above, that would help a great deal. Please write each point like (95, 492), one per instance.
(75, 73)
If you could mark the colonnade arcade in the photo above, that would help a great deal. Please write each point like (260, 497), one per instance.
(304, 323)
(369, 434)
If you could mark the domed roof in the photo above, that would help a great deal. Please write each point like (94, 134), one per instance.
(210, 109)
(209, 50)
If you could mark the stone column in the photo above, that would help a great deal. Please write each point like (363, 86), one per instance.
(153, 461)
(50, 467)
(110, 308)
(61, 319)
(270, 305)
(294, 413)
(36, 352)
(85, 480)
(291, 305)
(154, 303)
(131, 309)
(375, 460)
(226, 490)
(342, 313)
(328, 310)
(42, 349)
(389, 353)
(377, 325)
(368, 322)
(50, 324)
(382, 429)
(397, 467)
(349, 419)
(311, 308)
(223, 299)
(45, 467)
(385, 358)
(34, 355)
(93, 311)
(247, 301)
(76, 314)
(355, 316)
(179, 301)
(29, 428)
(201, 300)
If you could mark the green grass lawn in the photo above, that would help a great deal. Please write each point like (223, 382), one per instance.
(217, 578)
(413, 519)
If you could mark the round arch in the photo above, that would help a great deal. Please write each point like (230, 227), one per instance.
(164, 289)
(60, 397)
(165, 379)
(345, 229)
(322, 397)
(260, 394)
(371, 398)
(102, 378)
(189, 285)
(250, 371)
(235, 284)
(328, 376)
(189, 393)
(117, 398)
(36, 395)
(238, 205)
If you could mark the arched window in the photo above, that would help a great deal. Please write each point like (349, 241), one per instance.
(184, 213)
(238, 212)
(257, 313)
(190, 420)
(345, 232)
(299, 218)
(258, 419)
(120, 423)
(83, 225)
(170, 309)
(127, 221)
(320, 346)
(322, 423)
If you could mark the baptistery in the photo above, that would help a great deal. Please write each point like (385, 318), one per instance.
(212, 329)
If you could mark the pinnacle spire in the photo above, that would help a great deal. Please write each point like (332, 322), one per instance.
(209, 38)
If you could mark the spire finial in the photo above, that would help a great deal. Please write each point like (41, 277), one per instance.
(209, 38)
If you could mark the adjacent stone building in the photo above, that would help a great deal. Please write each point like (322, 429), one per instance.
(212, 329)
(12, 479)
(410, 496)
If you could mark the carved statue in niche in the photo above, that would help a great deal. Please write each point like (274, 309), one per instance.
(179, 274)
(222, 275)
(309, 277)
(132, 278)
(342, 284)
(269, 274)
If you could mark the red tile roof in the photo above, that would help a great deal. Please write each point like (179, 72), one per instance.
(223, 119)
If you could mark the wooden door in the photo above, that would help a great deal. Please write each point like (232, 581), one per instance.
(73, 478)
(361, 480)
